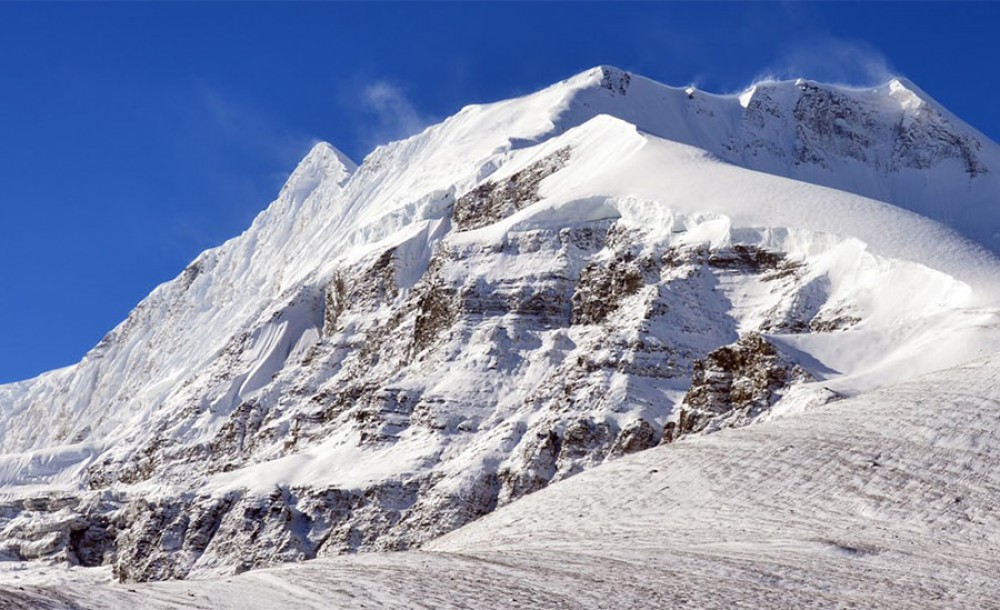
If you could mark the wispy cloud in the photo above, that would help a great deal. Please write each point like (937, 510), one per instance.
(833, 60)
(233, 158)
(394, 116)
(243, 126)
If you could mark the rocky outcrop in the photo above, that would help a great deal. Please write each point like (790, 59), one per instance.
(77, 529)
(732, 386)
(614, 80)
(926, 137)
(831, 125)
(436, 311)
(636, 436)
(604, 285)
(493, 201)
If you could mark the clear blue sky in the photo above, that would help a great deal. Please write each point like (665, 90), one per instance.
(133, 136)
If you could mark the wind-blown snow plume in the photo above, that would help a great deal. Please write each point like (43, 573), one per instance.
(395, 115)
(831, 60)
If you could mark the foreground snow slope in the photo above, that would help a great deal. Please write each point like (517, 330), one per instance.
(881, 501)
(522, 292)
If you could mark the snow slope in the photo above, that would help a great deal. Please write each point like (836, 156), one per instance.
(502, 301)
(881, 501)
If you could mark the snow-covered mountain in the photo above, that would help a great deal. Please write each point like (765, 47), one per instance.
(524, 291)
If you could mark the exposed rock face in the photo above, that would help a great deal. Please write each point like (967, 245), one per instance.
(78, 530)
(237, 532)
(832, 125)
(732, 386)
(492, 201)
(637, 436)
(603, 286)
(614, 80)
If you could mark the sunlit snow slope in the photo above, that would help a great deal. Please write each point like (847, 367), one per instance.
(513, 296)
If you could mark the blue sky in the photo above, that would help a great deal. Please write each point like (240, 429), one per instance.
(133, 136)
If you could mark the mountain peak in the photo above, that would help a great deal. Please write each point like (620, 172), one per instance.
(509, 297)
(908, 94)
(332, 160)
(323, 162)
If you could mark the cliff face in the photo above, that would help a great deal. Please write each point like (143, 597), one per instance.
(525, 291)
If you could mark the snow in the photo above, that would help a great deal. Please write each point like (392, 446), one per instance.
(882, 501)
(903, 243)
(45, 468)
(663, 178)
(338, 461)
(899, 269)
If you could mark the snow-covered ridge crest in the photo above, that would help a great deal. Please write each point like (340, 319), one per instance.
(509, 297)
(892, 142)
(323, 162)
